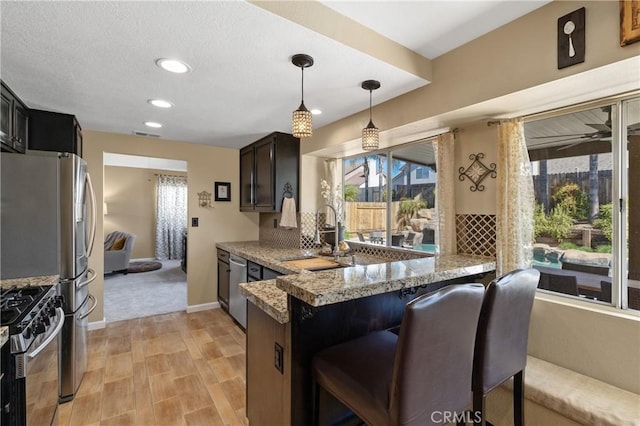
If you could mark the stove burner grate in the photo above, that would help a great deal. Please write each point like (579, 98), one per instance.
(16, 302)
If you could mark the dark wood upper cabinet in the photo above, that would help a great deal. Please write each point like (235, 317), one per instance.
(54, 131)
(246, 178)
(14, 119)
(266, 167)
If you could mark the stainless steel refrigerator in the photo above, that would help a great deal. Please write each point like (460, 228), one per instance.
(44, 230)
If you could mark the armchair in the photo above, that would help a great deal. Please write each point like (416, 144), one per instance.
(118, 246)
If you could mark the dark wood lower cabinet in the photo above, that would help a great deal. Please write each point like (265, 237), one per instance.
(268, 388)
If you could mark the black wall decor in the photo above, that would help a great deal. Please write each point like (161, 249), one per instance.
(222, 191)
(571, 45)
(477, 171)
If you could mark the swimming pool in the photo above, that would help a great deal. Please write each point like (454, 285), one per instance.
(549, 264)
(429, 248)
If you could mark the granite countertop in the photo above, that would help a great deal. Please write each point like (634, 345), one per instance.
(340, 285)
(269, 298)
(23, 282)
(370, 277)
(265, 294)
(271, 257)
(4, 335)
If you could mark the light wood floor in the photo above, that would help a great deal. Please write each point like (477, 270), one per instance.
(172, 369)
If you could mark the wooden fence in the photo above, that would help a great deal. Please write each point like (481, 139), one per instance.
(605, 183)
(367, 217)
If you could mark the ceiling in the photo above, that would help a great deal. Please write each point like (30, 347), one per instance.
(96, 60)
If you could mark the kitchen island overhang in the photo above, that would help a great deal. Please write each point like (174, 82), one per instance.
(407, 276)
(331, 307)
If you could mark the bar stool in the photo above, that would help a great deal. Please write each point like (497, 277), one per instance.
(501, 340)
(414, 378)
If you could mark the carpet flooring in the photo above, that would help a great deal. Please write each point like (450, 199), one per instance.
(146, 293)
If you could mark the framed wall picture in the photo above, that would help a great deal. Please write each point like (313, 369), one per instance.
(222, 191)
(571, 45)
(629, 21)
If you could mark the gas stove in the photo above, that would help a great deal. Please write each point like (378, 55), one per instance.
(28, 312)
(35, 319)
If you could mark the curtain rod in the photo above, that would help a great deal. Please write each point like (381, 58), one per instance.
(163, 174)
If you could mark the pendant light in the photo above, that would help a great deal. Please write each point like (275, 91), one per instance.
(302, 122)
(370, 134)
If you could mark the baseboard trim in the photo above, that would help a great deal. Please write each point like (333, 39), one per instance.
(203, 307)
(97, 325)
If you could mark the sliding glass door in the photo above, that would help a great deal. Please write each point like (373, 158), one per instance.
(390, 197)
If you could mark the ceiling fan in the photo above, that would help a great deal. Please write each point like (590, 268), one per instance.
(602, 133)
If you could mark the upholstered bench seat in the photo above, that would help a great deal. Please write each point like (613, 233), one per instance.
(570, 395)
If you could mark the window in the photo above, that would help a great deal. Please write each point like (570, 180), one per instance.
(581, 236)
(630, 221)
(422, 172)
(390, 197)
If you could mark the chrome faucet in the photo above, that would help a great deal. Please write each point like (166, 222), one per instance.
(336, 250)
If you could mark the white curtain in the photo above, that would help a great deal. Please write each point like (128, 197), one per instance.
(445, 193)
(515, 199)
(171, 220)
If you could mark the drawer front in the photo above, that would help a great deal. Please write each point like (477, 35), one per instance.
(269, 274)
(223, 255)
(254, 270)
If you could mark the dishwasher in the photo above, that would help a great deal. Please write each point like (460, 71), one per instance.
(237, 302)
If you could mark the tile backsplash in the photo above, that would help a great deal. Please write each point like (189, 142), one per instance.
(275, 235)
(475, 235)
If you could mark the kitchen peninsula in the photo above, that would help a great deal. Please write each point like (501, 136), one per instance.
(292, 317)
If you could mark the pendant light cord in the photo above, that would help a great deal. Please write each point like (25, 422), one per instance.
(302, 86)
(370, 97)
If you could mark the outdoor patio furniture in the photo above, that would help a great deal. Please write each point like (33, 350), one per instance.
(408, 242)
(566, 284)
(376, 237)
(591, 269)
(588, 283)
(428, 236)
(633, 298)
(397, 240)
(605, 291)
(360, 236)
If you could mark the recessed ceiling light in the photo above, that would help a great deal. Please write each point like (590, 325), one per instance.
(316, 111)
(173, 65)
(160, 103)
(152, 124)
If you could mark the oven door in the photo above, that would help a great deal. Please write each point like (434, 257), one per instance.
(40, 382)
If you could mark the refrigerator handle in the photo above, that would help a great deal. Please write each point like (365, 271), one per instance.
(92, 235)
(88, 281)
(95, 303)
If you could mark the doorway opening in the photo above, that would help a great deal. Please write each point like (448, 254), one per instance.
(144, 197)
